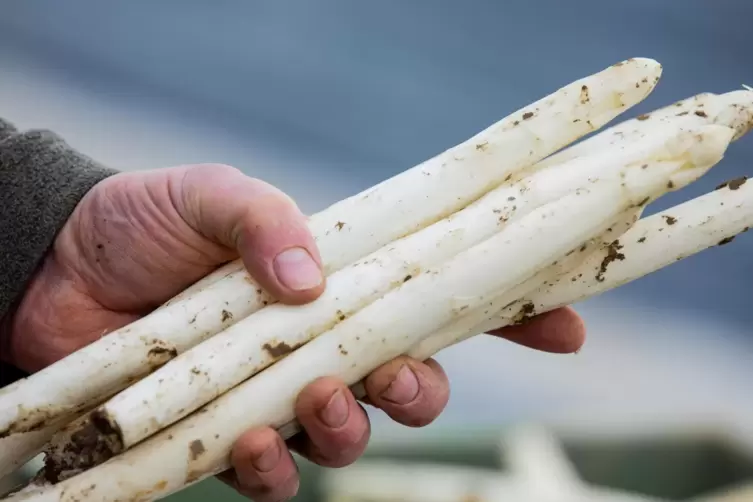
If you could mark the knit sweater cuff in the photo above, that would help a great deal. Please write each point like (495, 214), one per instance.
(42, 179)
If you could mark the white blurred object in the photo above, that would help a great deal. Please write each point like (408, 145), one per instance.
(741, 493)
(538, 470)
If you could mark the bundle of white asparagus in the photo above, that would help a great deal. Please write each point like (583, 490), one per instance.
(501, 227)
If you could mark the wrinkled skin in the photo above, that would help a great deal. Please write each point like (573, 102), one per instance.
(137, 239)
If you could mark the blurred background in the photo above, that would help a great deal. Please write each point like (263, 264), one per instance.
(327, 98)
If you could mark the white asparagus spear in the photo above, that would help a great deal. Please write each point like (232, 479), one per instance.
(468, 323)
(585, 95)
(223, 272)
(199, 445)
(344, 232)
(581, 92)
(653, 243)
(218, 364)
(732, 109)
(18, 449)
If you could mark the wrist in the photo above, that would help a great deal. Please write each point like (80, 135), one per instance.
(6, 327)
(29, 329)
(17, 320)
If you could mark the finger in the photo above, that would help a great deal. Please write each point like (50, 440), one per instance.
(410, 392)
(265, 226)
(336, 427)
(263, 468)
(561, 331)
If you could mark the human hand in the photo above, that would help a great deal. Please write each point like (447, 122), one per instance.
(137, 239)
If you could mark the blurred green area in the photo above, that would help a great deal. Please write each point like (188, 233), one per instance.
(669, 466)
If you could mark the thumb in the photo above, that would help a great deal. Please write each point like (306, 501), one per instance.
(261, 222)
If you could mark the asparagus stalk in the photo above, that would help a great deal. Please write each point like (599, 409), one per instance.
(18, 449)
(199, 445)
(653, 243)
(468, 323)
(255, 343)
(344, 233)
(220, 363)
(732, 109)
(713, 219)
(584, 95)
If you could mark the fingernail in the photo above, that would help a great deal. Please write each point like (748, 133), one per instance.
(336, 412)
(267, 460)
(296, 269)
(404, 388)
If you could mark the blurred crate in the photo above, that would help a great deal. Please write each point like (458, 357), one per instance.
(666, 465)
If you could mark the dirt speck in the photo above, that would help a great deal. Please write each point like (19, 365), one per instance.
(643, 202)
(527, 115)
(196, 448)
(339, 225)
(733, 184)
(613, 254)
(701, 113)
(726, 240)
(671, 220)
(226, 315)
(642, 117)
(527, 311)
(277, 350)
(482, 146)
(584, 96)
(193, 475)
(407, 278)
(681, 114)
(642, 239)
(161, 352)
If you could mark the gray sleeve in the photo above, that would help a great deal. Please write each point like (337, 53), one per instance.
(42, 180)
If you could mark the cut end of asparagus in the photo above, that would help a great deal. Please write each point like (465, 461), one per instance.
(95, 440)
